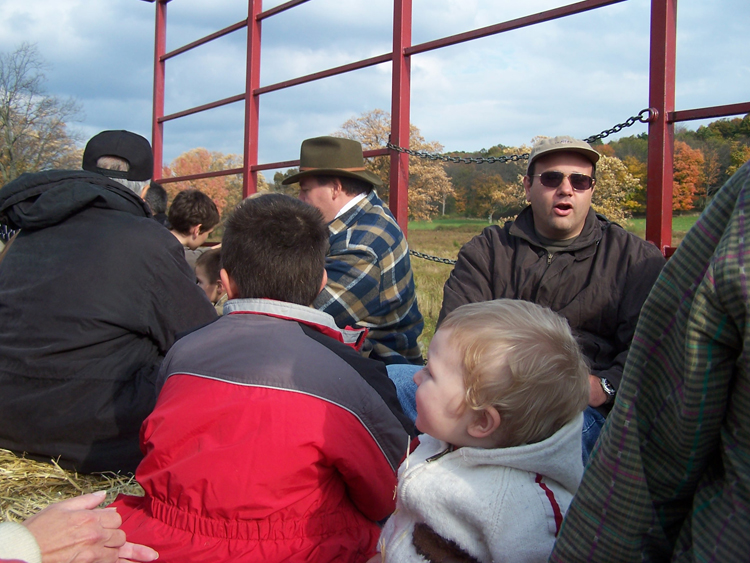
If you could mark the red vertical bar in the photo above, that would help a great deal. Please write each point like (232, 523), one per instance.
(252, 101)
(400, 99)
(160, 48)
(661, 130)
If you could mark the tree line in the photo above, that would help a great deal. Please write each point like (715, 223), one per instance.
(35, 134)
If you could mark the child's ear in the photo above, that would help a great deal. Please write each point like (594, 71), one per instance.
(220, 286)
(485, 423)
(195, 230)
(229, 284)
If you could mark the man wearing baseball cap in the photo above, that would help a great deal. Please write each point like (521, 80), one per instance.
(92, 293)
(561, 254)
(370, 280)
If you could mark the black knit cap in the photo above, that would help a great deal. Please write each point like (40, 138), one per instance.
(122, 144)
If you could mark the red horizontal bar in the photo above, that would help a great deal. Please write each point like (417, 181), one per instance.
(204, 107)
(204, 40)
(201, 176)
(293, 163)
(704, 113)
(275, 165)
(325, 74)
(280, 8)
(510, 25)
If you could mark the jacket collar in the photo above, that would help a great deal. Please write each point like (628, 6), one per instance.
(593, 230)
(318, 320)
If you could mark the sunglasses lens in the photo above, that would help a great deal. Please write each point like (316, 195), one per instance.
(551, 179)
(580, 181)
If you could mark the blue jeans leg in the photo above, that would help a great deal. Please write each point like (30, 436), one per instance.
(402, 376)
(593, 421)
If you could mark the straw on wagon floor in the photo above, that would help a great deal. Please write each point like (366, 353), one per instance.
(27, 486)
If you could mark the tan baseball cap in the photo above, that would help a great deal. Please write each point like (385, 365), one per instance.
(562, 143)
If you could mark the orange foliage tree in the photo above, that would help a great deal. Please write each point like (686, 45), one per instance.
(224, 190)
(688, 176)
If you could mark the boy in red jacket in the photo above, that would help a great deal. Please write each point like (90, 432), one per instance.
(272, 439)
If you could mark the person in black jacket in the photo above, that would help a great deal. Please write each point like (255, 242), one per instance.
(92, 294)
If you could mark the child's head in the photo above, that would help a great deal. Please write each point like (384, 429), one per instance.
(193, 214)
(501, 373)
(207, 268)
(274, 247)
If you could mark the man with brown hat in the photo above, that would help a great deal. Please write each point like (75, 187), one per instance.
(561, 254)
(92, 294)
(370, 280)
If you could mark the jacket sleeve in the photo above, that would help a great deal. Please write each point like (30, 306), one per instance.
(370, 479)
(471, 278)
(175, 303)
(353, 289)
(641, 277)
(18, 544)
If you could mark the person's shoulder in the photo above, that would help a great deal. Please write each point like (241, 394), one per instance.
(631, 241)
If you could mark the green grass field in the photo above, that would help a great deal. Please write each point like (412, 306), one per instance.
(445, 237)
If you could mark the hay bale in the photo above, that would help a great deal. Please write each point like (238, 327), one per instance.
(27, 486)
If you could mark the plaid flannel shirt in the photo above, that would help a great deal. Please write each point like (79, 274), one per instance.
(669, 479)
(370, 281)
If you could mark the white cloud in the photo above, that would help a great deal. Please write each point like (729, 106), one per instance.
(578, 75)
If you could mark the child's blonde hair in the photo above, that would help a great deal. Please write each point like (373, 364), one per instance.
(523, 360)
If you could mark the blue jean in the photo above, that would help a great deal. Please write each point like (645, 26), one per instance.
(593, 421)
(402, 376)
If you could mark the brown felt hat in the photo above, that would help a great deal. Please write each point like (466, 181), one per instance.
(563, 143)
(332, 156)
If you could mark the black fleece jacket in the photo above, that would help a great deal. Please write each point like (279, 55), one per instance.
(92, 293)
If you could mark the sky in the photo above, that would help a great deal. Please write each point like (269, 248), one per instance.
(576, 76)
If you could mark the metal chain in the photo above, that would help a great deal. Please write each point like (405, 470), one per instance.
(432, 258)
(458, 159)
(645, 116)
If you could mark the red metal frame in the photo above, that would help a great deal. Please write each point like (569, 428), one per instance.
(661, 98)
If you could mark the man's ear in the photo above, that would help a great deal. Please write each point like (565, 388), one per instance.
(338, 189)
(485, 423)
(527, 186)
(229, 284)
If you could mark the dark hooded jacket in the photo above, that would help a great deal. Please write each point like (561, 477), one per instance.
(599, 283)
(92, 293)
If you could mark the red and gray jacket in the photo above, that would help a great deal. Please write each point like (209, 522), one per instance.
(272, 438)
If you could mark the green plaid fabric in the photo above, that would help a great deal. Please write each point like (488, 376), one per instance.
(370, 281)
(669, 479)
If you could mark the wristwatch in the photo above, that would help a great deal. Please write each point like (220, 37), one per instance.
(608, 390)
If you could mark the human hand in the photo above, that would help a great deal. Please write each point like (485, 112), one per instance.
(75, 531)
(597, 396)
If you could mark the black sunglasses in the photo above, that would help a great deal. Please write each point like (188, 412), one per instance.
(580, 182)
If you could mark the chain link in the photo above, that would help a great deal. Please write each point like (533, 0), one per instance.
(432, 258)
(644, 116)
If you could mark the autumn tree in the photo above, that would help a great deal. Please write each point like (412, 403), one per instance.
(613, 185)
(429, 185)
(225, 191)
(34, 132)
(738, 156)
(688, 176)
(635, 202)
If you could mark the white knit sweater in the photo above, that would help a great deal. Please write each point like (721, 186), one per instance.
(503, 504)
(16, 542)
